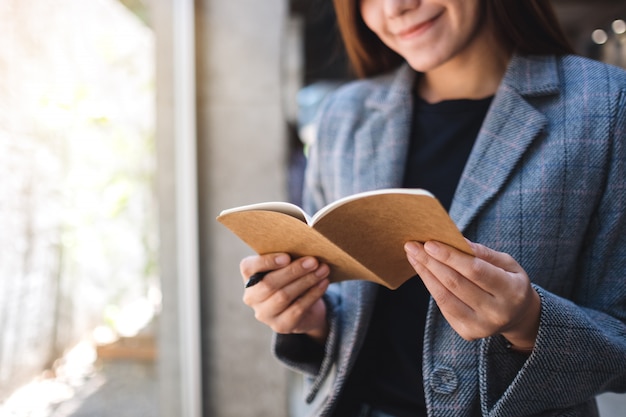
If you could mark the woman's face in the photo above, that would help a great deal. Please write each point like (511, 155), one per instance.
(426, 33)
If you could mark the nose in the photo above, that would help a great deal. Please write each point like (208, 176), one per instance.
(393, 8)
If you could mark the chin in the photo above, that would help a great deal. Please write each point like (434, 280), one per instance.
(429, 60)
(421, 65)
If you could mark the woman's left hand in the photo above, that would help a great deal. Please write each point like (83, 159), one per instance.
(480, 295)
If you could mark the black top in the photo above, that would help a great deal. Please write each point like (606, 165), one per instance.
(388, 370)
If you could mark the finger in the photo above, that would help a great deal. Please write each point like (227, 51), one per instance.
(499, 259)
(470, 269)
(282, 286)
(448, 266)
(283, 293)
(279, 304)
(424, 266)
(466, 307)
(490, 270)
(494, 272)
(299, 316)
(260, 263)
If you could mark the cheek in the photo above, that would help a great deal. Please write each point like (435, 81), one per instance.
(371, 16)
(468, 23)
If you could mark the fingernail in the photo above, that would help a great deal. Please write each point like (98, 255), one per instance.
(281, 260)
(432, 248)
(411, 247)
(309, 263)
(322, 271)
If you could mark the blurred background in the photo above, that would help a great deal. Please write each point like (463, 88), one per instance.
(125, 127)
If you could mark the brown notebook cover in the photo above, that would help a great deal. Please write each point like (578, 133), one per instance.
(361, 236)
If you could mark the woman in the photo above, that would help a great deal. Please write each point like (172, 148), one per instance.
(481, 102)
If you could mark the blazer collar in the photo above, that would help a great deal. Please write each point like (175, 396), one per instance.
(530, 76)
(533, 76)
(511, 125)
(381, 143)
(398, 93)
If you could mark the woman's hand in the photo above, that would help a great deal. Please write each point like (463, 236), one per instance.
(479, 296)
(288, 299)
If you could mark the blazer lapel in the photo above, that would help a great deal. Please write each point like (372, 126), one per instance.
(510, 127)
(382, 142)
(380, 147)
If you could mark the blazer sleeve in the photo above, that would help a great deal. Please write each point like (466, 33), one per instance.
(580, 350)
(299, 352)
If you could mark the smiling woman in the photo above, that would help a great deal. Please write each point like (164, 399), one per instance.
(370, 56)
(482, 103)
(431, 35)
(440, 40)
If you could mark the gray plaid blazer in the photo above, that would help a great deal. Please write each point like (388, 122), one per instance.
(545, 183)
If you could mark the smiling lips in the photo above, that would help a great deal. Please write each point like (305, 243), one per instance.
(417, 29)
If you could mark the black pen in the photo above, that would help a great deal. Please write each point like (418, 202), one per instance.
(256, 278)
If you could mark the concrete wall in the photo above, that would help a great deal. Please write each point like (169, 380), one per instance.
(242, 152)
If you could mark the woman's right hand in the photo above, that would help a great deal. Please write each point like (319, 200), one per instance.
(289, 298)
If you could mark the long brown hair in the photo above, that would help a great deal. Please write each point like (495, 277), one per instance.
(529, 27)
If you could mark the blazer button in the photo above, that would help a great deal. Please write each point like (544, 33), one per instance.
(443, 380)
